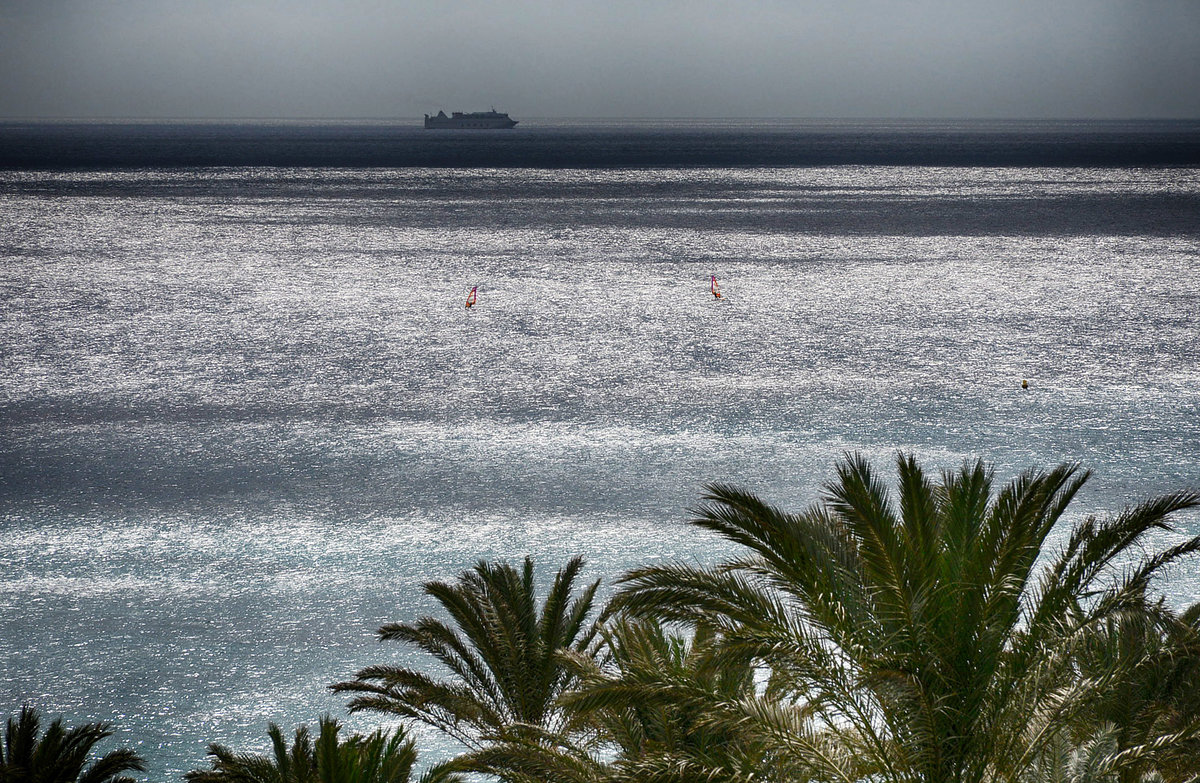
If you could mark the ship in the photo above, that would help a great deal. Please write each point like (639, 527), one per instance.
(475, 119)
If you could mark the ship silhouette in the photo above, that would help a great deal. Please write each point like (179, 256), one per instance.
(480, 120)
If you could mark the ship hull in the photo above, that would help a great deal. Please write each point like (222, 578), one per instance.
(470, 124)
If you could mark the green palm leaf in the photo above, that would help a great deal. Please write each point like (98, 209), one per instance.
(499, 649)
(60, 755)
(915, 631)
(379, 757)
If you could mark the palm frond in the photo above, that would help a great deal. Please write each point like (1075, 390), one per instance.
(500, 649)
(60, 754)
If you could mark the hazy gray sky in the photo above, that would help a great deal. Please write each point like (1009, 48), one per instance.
(600, 58)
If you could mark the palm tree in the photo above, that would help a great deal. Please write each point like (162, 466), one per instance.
(917, 632)
(1152, 711)
(380, 757)
(649, 699)
(656, 696)
(1181, 761)
(61, 754)
(501, 655)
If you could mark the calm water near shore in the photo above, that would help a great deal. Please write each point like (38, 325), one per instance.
(244, 412)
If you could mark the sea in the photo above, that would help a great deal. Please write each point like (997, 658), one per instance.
(245, 414)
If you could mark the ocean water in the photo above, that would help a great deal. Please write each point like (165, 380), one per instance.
(244, 413)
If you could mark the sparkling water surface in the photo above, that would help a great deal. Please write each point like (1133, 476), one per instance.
(245, 413)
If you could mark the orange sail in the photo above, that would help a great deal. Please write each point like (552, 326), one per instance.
(716, 289)
(471, 297)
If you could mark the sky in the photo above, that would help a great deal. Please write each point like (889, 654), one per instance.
(600, 58)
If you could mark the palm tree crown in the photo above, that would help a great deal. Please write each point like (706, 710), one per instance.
(646, 704)
(916, 630)
(60, 755)
(379, 757)
(501, 654)
(1150, 714)
(656, 696)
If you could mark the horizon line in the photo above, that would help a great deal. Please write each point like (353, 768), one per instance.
(598, 118)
